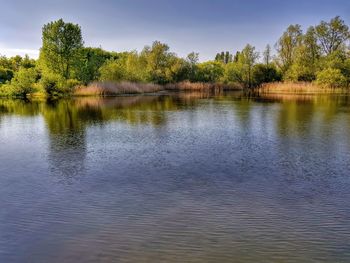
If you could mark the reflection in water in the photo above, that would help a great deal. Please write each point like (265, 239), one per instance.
(184, 177)
(67, 138)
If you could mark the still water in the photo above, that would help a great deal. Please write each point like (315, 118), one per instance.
(176, 178)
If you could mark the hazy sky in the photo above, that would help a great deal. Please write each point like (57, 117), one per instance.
(203, 26)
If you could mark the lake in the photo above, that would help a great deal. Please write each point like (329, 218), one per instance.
(184, 177)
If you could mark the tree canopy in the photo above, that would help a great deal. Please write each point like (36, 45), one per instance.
(320, 54)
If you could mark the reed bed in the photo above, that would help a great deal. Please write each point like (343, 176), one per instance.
(200, 86)
(112, 89)
(300, 87)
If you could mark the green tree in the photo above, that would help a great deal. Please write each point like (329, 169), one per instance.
(54, 84)
(263, 73)
(5, 75)
(331, 78)
(313, 50)
(332, 35)
(158, 59)
(287, 45)
(267, 55)
(236, 57)
(136, 67)
(61, 45)
(16, 62)
(23, 82)
(91, 59)
(210, 71)
(306, 59)
(192, 64)
(241, 71)
(248, 59)
(224, 57)
(113, 70)
(337, 60)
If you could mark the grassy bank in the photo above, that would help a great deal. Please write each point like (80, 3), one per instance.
(298, 88)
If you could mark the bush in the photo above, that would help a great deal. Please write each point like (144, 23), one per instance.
(51, 83)
(331, 78)
(5, 75)
(211, 71)
(55, 85)
(299, 73)
(5, 90)
(264, 74)
(113, 70)
(23, 82)
(70, 84)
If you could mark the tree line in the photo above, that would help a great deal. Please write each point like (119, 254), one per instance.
(320, 55)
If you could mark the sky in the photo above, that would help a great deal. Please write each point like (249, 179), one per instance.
(202, 26)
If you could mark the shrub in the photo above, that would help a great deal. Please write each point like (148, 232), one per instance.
(5, 90)
(112, 70)
(23, 82)
(5, 75)
(264, 74)
(55, 85)
(210, 71)
(70, 84)
(51, 83)
(299, 73)
(331, 78)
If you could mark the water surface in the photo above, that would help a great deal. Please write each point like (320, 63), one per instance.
(176, 178)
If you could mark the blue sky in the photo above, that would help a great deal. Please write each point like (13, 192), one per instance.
(202, 26)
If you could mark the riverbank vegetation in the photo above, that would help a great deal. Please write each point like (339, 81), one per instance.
(319, 57)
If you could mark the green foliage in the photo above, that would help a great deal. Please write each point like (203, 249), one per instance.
(56, 85)
(287, 45)
(267, 55)
(91, 59)
(303, 68)
(159, 60)
(136, 67)
(322, 49)
(61, 47)
(192, 66)
(320, 54)
(51, 83)
(224, 57)
(28, 62)
(242, 70)
(331, 78)
(5, 75)
(332, 35)
(113, 70)
(23, 82)
(263, 73)
(234, 73)
(210, 71)
(154, 64)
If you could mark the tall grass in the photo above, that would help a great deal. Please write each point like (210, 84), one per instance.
(201, 86)
(300, 87)
(112, 89)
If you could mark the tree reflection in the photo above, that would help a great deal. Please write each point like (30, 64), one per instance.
(284, 115)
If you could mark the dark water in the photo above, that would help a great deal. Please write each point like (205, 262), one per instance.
(176, 178)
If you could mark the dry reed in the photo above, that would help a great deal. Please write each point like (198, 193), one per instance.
(112, 89)
(299, 87)
(200, 86)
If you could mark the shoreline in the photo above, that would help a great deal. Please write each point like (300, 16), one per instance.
(105, 90)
